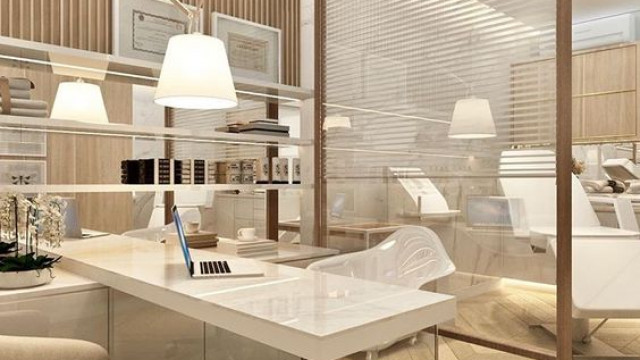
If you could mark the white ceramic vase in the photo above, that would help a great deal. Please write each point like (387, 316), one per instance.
(25, 279)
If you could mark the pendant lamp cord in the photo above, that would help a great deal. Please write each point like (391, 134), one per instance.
(193, 15)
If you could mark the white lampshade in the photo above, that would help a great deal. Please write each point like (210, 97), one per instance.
(472, 119)
(195, 74)
(336, 122)
(79, 101)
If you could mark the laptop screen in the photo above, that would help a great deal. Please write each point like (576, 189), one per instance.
(181, 237)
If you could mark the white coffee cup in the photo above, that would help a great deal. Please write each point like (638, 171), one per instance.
(247, 234)
(192, 227)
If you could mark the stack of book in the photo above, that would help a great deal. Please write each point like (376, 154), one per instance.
(257, 127)
(260, 247)
(19, 101)
(201, 239)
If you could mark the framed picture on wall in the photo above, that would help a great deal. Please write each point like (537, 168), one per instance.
(142, 28)
(23, 172)
(23, 143)
(253, 49)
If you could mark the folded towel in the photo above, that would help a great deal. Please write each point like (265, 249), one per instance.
(634, 187)
(20, 83)
(20, 94)
(28, 104)
(596, 185)
(27, 112)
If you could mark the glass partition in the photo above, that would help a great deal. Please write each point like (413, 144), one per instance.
(442, 115)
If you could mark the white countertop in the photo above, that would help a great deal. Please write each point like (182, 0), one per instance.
(63, 282)
(290, 252)
(587, 231)
(309, 314)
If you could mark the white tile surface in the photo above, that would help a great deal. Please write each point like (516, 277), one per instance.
(313, 315)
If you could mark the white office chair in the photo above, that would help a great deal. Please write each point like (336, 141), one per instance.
(158, 233)
(30, 340)
(38, 348)
(412, 257)
(530, 175)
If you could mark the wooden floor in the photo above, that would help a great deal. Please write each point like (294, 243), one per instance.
(508, 313)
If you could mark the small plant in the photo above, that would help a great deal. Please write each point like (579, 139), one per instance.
(26, 224)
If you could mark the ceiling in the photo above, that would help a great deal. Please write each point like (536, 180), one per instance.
(584, 10)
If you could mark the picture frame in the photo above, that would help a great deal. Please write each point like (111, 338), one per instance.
(23, 172)
(23, 143)
(142, 28)
(254, 50)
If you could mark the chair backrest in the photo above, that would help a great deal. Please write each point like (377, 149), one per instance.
(527, 181)
(410, 257)
(157, 233)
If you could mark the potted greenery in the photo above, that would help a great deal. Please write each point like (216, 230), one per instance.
(26, 224)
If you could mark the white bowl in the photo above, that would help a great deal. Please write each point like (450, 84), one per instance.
(25, 279)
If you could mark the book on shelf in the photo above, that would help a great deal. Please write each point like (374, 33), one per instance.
(149, 172)
(267, 132)
(265, 127)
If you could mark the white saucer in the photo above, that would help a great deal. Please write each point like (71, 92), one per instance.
(247, 240)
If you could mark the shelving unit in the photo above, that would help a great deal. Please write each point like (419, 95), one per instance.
(103, 188)
(157, 133)
(118, 73)
(108, 67)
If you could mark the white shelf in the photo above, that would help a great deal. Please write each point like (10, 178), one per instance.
(159, 133)
(105, 66)
(107, 188)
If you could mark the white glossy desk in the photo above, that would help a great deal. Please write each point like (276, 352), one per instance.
(289, 253)
(587, 231)
(63, 283)
(309, 314)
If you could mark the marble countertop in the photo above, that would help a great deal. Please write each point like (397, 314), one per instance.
(309, 314)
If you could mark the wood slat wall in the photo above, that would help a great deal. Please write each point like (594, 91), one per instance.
(80, 24)
(86, 24)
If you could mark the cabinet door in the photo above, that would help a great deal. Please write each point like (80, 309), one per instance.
(610, 70)
(610, 116)
(141, 330)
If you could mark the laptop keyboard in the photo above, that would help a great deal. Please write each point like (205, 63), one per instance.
(214, 267)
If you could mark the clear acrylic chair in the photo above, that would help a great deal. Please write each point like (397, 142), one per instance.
(412, 257)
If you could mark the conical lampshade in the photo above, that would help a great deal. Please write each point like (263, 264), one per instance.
(472, 119)
(195, 74)
(79, 101)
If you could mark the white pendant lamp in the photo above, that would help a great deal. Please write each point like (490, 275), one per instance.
(336, 122)
(472, 119)
(195, 74)
(79, 101)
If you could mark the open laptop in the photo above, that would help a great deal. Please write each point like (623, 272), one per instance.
(212, 268)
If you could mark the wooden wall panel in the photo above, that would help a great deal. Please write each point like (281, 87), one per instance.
(86, 24)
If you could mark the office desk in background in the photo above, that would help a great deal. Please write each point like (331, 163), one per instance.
(363, 230)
